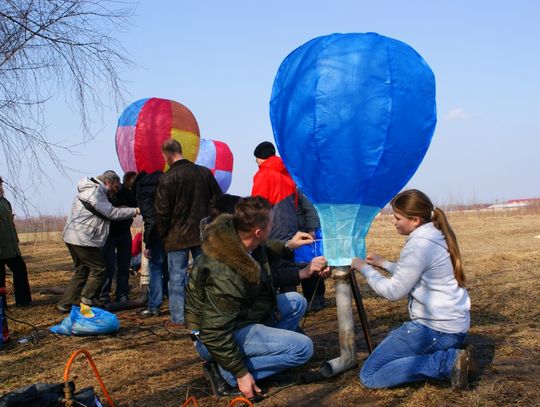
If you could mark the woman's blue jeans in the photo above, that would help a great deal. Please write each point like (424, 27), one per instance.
(410, 353)
(268, 350)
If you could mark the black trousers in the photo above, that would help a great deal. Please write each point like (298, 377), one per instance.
(313, 286)
(20, 279)
(117, 256)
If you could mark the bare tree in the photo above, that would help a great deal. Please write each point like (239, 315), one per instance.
(52, 48)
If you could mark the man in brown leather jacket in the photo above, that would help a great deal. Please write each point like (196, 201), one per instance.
(182, 199)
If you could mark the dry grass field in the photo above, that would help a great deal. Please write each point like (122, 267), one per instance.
(147, 365)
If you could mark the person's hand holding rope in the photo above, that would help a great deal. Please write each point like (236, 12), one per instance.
(317, 266)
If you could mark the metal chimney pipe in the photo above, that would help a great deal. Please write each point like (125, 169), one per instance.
(347, 344)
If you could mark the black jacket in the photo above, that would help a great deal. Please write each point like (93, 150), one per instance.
(145, 192)
(123, 197)
(182, 199)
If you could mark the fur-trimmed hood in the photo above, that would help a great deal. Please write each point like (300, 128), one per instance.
(223, 244)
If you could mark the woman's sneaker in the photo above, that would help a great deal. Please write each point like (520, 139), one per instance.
(463, 369)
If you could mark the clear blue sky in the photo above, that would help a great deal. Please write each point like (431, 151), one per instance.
(220, 58)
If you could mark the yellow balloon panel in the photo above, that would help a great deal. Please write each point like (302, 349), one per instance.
(189, 142)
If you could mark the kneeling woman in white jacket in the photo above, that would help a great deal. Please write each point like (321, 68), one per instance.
(429, 272)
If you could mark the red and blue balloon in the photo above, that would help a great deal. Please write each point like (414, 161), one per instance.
(145, 124)
(218, 157)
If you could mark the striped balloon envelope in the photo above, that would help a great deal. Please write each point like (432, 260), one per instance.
(218, 157)
(145, 125)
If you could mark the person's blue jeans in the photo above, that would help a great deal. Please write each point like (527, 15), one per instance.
(136, 261)
(268, 350)
(155, 268)
(178, 264)
(413, 352)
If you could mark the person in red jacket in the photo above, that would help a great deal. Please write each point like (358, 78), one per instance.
(292, 212)
(273, 182)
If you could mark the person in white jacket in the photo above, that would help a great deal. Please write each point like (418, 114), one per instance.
(429, 271)
(85, 233)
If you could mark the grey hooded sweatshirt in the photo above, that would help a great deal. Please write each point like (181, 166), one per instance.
(91, 212)
(425, 273)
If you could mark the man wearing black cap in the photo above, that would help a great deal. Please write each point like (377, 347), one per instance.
(273, 182)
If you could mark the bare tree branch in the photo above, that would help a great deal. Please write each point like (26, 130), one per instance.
(51, 48)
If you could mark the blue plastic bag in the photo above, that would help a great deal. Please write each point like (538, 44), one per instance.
(102, 323)
(306, 253)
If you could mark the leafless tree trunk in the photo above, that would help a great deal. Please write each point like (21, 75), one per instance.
(55, 48)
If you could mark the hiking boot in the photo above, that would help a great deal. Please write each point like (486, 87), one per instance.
(122, 298)
(310, 376)
(322, 301)
(92, 303)
(220, 388)
(315, 307)
(104, 300)
(63, 308)
(463, 367)
(318, 303)
(472, 369)
(150, 312)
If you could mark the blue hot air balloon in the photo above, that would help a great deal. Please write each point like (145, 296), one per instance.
(353, 116)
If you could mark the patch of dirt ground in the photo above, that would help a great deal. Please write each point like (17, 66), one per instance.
(146, 364)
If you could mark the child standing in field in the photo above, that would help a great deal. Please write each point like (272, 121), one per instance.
(430, 272)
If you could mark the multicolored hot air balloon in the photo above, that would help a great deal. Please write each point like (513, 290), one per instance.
(353, 116)
(218, 157)
(145, 125)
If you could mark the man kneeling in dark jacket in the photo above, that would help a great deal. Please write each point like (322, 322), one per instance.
(231, 306)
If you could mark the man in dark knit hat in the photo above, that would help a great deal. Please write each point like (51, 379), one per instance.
(273, 182)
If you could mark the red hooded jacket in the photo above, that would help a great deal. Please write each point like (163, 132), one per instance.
(274, 183)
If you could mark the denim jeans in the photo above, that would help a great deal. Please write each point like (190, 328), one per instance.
(413, 352)
(155, 268)
(135, 263)
(178, 264)
(268, 350)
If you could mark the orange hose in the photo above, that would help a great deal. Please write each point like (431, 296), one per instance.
(94, 368)
(190, 399)
(240, 399)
